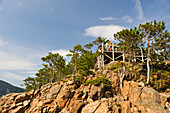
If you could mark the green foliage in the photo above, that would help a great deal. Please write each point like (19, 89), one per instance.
(98, 81)
(139, 85)
(30, 84)
(160, 76)
(116, 66)
(54, 69)
(118, 105)
(82, 60)
(99, 41)
(79, 78)
(86, 62)
(55, 64)
(69, 68)
(156, 38)
(69, 76)
(128, 38)
(65, 81)
(75, 53)
(88, 46)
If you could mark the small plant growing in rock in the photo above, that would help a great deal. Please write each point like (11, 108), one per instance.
(139, 85)
(65, 81)
(118, 105)
(98, 81)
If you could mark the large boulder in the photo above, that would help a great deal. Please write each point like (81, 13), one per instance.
(139, 95)
(19, 109)
(74, 107)
(91, 107)
(103, 108)
(150, 99)
(22, 97)
(63, 97)
(96, 92)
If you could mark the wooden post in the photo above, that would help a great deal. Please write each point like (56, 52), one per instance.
(113, 52)
(102, 55)
(98, 62)
(134, 57)
(142, 54)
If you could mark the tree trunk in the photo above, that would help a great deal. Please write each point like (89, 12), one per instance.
(142, 54)
(102, 55)
(121, 84)
(123, 73)
(59, 74)
(123, 64)
(113, 52)
(51, 80)
(129, 55)
(51, 74)
(148, 60)
(74, 68)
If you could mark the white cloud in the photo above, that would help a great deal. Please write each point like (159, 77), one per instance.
(62, 52)
(16, 65)
(18, 59)
(107, 18)
(2, 42)
(139, 10)
(127, 19)
(14, 57)
(104, 31)
(12, 61)
(124, 18)
(29, 72)
(11, 76)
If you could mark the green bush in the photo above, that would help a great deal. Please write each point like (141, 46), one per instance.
(65, 81)
(69, 76)
(118, 105)
(98, 81)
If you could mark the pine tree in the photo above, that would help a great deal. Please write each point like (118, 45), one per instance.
(86, 62)
(127, 39)
(99, 41)
(53, 70)
(30, 84)
(55, 63)
(155, 36)
(75, 53)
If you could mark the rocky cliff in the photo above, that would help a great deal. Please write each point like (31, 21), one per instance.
(70, 97)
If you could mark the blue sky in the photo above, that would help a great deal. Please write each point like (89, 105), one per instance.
(29, 29)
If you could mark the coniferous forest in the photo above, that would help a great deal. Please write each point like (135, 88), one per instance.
(151, 37)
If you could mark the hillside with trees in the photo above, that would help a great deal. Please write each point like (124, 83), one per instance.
(6, 88)
(151, 37)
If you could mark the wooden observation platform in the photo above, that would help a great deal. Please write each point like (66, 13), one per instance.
(111, 52)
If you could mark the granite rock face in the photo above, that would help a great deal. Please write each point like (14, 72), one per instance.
(69, 97)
